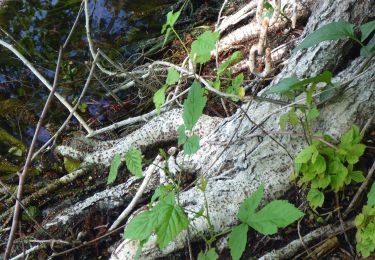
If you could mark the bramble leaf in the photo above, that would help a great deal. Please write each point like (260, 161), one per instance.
(133, 160)
(171, 220)
(315, 198)
(141, 226)
(210, 255)
(173, 76)
(201, 48)
(331, 31)
(371, 195)
(193, 105)
(276, 214)
(235, 57)
(116, 161)
(191, 146)
(367, 29)
(248, 207)
(181, 135)
(305, 155)
(159, 98)
(237, 240)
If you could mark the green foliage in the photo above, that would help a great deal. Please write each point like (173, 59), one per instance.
(209, 255)
(235, 88)
(322, 165)
(194, 105)
(116, 161)
(169, 24)
(133, 160)
(237, 240)
(331, 31)
(235, 57)
(340, 30)
(159, 96)
(371, 195)
(276, 214)
(193, 109)
(166, 219)
(365, 223)
(201, 48)
(367, 29)
(32, 213)
(289, 117)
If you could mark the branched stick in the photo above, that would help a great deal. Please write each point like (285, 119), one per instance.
(22, 177)
(138, 195)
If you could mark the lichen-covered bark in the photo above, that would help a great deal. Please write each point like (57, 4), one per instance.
(239, 168)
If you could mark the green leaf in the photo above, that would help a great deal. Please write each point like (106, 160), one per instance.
(201, 48)
(161, 192)
(356, 151)
(305, 155)
(194, 105)
(283, 120)
(371, 195)
(181, 135)
(367, 29)
(248, 207)
(191, 146)
(133, 160)
(283, 85)
(171, 20)
(356, 176)
(369, 48)
(173, 76)
(171, 220)
(276, 214)
(237, 241)
(312, 114)
(210, 255)
(315, 198)
(235, 57)
(235, 87)
(331, 31)
(338, 174)
(116, 161)
(159, 98)
(141, 226)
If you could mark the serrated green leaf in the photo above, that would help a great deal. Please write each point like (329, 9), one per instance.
(356, 176)
(293, 118)
(283, 120)
(315, 198)
(331, 31)
(356, 151)
(201, 48)
(237, 240)
(181, 135)
(171, 19)
(369, 48)
(210, 255)
(359, 219)
(194, 105)
(319, 165)
(159, 98)
(338, 174)
(312, 114)
(141, 226)
(133, 160)
(371, 195)
(235, 57)
(171, 220)
(161, 192)
(116, 161)
(248, 207)
(305, 155)
(191, 146)
(276, 214)
(367, 29)
(173, 76)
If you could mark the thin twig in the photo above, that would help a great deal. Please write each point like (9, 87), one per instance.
(138, 195)
(360, 191)
(22, 177)
(46, 83)
(74, 25)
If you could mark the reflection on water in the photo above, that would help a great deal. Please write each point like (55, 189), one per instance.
(38, 28)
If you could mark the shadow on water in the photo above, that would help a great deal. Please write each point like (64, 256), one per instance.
(38, 28)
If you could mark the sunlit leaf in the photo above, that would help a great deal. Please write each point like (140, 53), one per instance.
(237, 241)
(193, 105)
(201, 48)
(116, 161)
(133, 160)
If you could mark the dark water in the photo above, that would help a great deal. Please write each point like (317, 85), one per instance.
(38, 28)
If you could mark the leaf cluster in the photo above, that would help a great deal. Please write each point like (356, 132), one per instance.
(321, 165)
(365, 223)
(276, 214)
